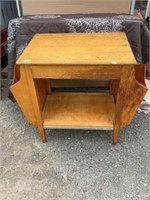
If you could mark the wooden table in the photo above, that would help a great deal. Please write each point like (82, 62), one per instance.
(79, 56)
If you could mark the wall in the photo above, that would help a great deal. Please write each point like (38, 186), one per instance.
(75, 6)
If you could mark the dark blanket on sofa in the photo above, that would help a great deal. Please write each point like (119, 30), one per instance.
(21, 31)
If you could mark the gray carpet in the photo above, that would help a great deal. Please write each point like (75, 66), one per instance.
(73, 164)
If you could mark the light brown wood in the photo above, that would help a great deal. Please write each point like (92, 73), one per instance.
(129, 96)
(77, 71)
(45, 109)
(79, 48)
(41, 91)
(20, 90)
(116, 133)
(129, 92)
(36, 101)
(48, 86)
(79, 110)
(75, 6)
(114, 85)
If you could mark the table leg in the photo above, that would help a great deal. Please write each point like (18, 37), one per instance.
(116, 134)
(38, 92)
(42, 133)
(114, 85)
(48, 86)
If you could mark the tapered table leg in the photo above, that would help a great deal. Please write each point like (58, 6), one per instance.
(42, 133)
(115, 134)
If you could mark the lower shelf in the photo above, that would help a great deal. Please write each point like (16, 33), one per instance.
(79, 110)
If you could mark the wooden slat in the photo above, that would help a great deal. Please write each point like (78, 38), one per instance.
(79, 110)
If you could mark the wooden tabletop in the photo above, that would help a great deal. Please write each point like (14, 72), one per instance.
(78, 48)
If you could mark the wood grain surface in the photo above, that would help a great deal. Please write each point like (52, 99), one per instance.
(78, 48)
(79, 110)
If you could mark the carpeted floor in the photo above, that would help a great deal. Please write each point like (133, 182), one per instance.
(73, 164)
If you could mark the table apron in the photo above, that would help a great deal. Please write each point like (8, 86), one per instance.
(76, 72)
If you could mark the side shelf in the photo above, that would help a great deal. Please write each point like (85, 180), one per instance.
(20, 90)
(130, 93)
